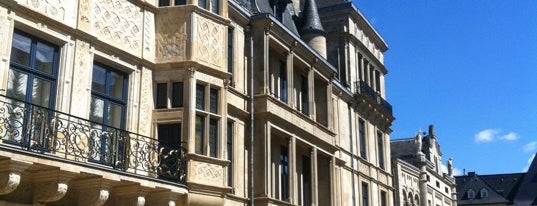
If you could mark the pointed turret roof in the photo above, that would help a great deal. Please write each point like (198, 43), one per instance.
(311, 22)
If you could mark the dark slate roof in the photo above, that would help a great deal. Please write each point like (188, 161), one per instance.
(311, 22)
(474, 182)
(519, 189)
(504, 184)
(527, 193)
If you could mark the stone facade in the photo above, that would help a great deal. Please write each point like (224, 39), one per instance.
(418, 175)
(195, 102)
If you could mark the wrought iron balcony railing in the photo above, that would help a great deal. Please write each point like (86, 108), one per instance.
(41, 130)
(363, 88)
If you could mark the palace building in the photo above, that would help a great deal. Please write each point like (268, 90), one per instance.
(419, 177)
(192, 102)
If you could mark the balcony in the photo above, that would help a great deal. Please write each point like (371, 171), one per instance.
(362, 88)
(37, 131)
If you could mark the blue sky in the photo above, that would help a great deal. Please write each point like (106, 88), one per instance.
(469, 68)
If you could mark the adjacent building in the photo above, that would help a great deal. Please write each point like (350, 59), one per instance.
(418, 175)
(193, 102)
(498, 189)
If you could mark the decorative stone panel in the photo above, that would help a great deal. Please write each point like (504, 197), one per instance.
(171, 36)
(119, 23)
(209, 41)
(206, 173)
(146, 101)
(63, 11)
(82, 86)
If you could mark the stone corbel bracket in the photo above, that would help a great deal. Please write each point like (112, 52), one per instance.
(10, 175)
(52, 186)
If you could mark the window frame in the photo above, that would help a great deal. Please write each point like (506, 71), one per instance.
(171, 3)
(171, 100)
(107, 98)
(362, 132)
(31, 72)
(209, 138)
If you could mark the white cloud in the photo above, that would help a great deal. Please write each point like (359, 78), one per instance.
(528, 164)
(485, 135)
(511, 136)
(530, 147)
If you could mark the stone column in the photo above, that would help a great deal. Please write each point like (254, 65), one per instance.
(190, 111)
(311, 93)
(290, 80)
(314, 179)
(293, 189)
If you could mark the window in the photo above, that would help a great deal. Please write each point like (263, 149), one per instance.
(304, 101)
(383, 198)
(306, 180)
(162, 96)
(31, 78)
(284, 173)
(162, 3)
(107, 109)
(446, 189)
(229, 148)
(108, 96)
(471, 194)
(283, 82)
(32, 70)
(211, 5)
(342, 62)
(169, 138)
(484, 193)
(230, 54)
(207, 120)
(437, 184)
(360, 67)
(380, 143)
(365, 194)
(377, 81)
(363, 149)
(177, 94)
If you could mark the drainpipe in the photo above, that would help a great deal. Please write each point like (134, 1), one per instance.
(352, 155)
(251, 73)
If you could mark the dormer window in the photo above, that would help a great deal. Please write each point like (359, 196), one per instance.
(484, 193)
(471, 194)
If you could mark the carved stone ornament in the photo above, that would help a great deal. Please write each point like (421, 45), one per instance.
(103, 196)
(50, 192)
(9, 182)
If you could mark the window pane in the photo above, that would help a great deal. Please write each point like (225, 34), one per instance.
(41, 92)
(180, 2)
(230, 52)
(20, 49)
(202, 3)
(213, 136)
(44, 57)
(363, 152)
(213, 101)
(200, 97)
(98, 79)
(229, 148)
(199, 134)
(162, 95)
(215, 6)
(169, 135)
(97, 110)
(116, 85)
(164, 3)
(177, 94)
(114, 115)
(16, 85)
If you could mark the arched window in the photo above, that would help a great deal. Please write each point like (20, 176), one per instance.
(471, 194)
(484, 193)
